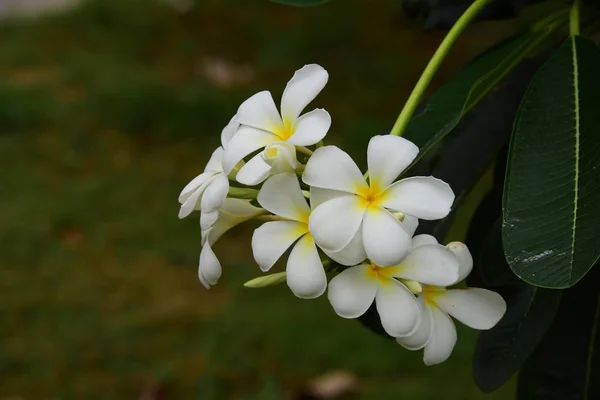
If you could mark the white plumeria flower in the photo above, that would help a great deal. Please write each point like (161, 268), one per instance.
(232, 212)
(368, 207)
(352, 292)
(354, 252)
(281, 195)
(477, 308)
(207, 191)
(261, 123)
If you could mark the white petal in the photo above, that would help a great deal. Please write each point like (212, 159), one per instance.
(254, 171)
(474, 307)
(192, 201)
(398, 308)
(420, 337)
(352, 292)
(386, 241)
(272, 239)
(431, 264)
(305, 274)
(423, 240)
(208, 219)
(260, 112)
(310, 128)
(319, 196)
(410, 224)
(281, 156)
(442, 339)
(209, 268)
(228, 132)
(233, 212)
(353, 254)
(215, 193)
(194, 184)
(244, 142)
(215, 162)
(331, 168)
(304, 86)
(422, 197)
(465, 260)
(334, 223)
(387, 157)
(281, 195)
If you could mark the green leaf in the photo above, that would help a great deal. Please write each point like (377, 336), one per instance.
(566, 363)
(445, 108)
(502, 350)
(301, 3)
(551, 228)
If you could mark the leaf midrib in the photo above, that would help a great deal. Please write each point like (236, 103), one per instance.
(577, 132)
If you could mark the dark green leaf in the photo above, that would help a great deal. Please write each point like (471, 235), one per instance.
(551, 227)
(501, 351)
(446, 106)
(301, 3)
(566, 363)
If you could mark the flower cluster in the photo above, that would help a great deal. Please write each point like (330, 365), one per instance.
(355, 230)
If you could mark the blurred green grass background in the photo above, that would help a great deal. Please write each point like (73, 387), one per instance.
(106, 112)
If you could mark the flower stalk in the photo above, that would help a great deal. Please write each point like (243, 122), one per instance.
(430, 70)
(574, 19)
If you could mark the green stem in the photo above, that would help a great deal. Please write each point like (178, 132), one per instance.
(242, 193)
(574, 19)
(435, 62)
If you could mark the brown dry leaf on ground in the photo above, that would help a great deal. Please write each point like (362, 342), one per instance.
(223, 73)
(329, 386)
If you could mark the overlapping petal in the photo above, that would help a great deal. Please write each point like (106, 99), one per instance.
(319, 196)
(245, 141)
(422, 197)
(331, 168)
(398, 309)
(215, 193)
(474, 307)
(215, 161)
(310, 128)
(387, 157)
(352, 292)
(305, 274)
(420, 337)
(442, 339)
(281, 195)
(254, 171)
(354, 252)
(272, 239)
(229, 130)
(191, 200)
(304, 86)
(386, 240)
(260, 112)
(432, 264)
(334, 223)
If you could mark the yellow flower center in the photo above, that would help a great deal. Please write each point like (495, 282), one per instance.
(285, 130)
(371, 196)
(271, 152)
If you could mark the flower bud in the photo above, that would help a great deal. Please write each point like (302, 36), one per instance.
(281, 156)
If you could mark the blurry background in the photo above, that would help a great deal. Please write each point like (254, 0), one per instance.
(107, 109)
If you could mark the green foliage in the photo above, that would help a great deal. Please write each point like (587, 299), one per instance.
(566, 363)
(551, 215)
(449, 104)
(501, 351)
